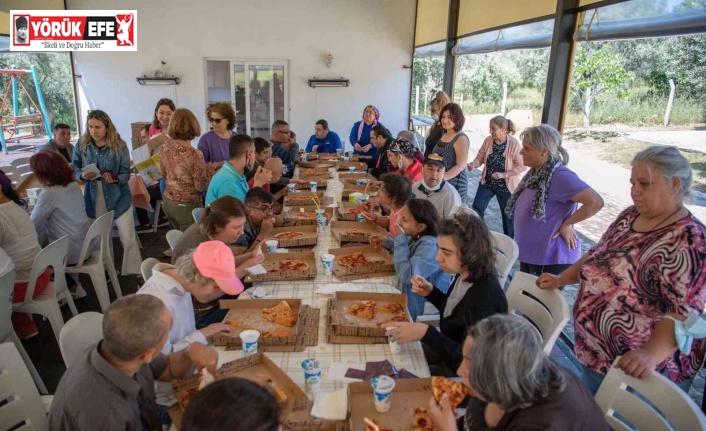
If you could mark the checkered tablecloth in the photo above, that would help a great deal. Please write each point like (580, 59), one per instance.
(411, 358)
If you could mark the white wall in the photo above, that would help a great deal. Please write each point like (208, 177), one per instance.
(370, 40)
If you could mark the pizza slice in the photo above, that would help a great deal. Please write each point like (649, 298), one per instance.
(392, 308)
(293, 265)
(363, 309)
(279, 394)
(289, 235)
(281, 332)
(399, 317)
(456, 391)
(373, 425)
(421, 420)
(281, 314)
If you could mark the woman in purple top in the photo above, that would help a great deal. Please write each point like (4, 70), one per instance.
(214, 144)
(545, 204)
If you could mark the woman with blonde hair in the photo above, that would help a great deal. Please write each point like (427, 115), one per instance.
(214, 144)
(500, 153)
(440, 100)
(102, 146)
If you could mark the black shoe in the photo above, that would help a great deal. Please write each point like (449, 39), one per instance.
(144, 228)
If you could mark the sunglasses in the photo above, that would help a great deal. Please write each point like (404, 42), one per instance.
(215, 120)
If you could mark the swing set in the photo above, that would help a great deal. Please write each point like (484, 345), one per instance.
(11, 122)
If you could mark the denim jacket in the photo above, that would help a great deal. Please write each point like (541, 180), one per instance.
(117, 196)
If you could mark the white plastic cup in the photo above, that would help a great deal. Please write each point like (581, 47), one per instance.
(395, 347)
(346, 158)
(272, 245)
(327, 260)
(351, 169)
(304, 157)
(363, 198)
(320, 218)
(382, 391)
(313, 185)
(291, 187)
(312, 375)
(361, 181)
(249, 339)
(358, 197)
(33, 195)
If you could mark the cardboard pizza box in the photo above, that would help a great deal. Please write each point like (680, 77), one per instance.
(317, 164)
(407, 395)
(346, 324)
(352, 180)
(347, 211)
(359, 166)
(384, 267)
(352, 188)
(305, 173)
(302, 198)
(309, 236)
(321, 182)
(349, 175)
(273, 260)
(354, 231)
(294, 216)
(329, 156)
(333, 338)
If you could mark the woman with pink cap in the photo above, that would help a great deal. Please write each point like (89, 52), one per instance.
(360, 133)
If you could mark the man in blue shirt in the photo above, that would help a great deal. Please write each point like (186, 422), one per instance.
(284, 146)
(230, 179)
(323, 140)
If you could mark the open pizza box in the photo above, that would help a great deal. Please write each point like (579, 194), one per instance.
(295, 236)
(258, 368)
(354, 231)
(354, 178)
(274, 261)
(305, 173)
(302, 198)
(294, 216)
(318, 164)
(384, 265)
(349, 175)
(249, 311)
(359, 166)
(407, 395)
(352, 188)
(333, 338)
(309, 156)
(346, 324)
(321, 182)
(347, 211)
(329, 156)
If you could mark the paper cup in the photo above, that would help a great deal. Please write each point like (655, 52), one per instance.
(304, 157)
(360, 218)
(33, 195)
(395, 347)
(271, 245)
(291, 187)
(382, 391)
(345, 158)
(361, 182)
(313, 185)
(312, 375)
(358, 198)
(320, 218)
(327, 260)
(249, 339)
(351, 169)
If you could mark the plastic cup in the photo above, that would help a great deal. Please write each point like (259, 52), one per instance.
(320, 218)
(346, 158)
(313, 185)
(382, 391)
(312, 375)
(304, 157)
(291, 187)
(358, 198)
(395, 347)
(33, 195)
(351, 169)
(249, 339)
(360, 218)
(361, 182)
(327, 260)
(363, 198)
(271, 245)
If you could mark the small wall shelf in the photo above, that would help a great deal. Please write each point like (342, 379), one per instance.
(158, 81)
(320, 82)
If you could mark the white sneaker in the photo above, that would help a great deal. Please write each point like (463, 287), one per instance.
(79, 292)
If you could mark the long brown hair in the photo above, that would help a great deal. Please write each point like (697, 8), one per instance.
(112, 137)
(473, 241)
(160, 102)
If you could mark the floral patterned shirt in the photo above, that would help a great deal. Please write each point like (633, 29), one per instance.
(185, 172)
(630, 281)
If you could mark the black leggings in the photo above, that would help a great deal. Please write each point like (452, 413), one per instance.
(537, 270)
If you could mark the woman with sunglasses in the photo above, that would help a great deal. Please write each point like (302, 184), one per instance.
(214, 144)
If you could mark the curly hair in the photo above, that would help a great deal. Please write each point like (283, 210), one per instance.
(225, 109)
(397, 187)
(474, 243)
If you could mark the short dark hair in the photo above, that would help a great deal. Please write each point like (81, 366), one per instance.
(219, 213)
(381, 130)
(398, 187)
(456, 115)
(258, 194)
(472, 238)
(132, 325)
(292, 134)
(261, 144)
(277, 124)
(58, 126)
(239, 145)
(425, 212)
(146, 128)
(51, 168)
(212, 408)
(323, 123)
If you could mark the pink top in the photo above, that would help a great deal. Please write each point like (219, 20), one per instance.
(513, 160)
(154, 131)
(630, 281)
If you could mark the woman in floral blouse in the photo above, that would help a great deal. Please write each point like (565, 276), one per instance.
(650, 262)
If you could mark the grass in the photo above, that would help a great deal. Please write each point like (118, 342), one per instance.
(613, 148)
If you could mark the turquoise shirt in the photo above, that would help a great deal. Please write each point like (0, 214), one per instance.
(227, 181)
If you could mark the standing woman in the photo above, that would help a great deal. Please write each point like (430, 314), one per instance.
(440, 100)
(162, 114)
(101, 145)
(500, 153)
(453, 147)
(184, 170)
(545, 204)
(360, 133)
(214, 144)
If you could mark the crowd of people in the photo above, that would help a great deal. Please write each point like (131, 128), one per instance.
(641, 280)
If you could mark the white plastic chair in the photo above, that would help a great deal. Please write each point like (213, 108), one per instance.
(506, 253)
(13, 174)
(157, 209)
(146, 267)
(173, 238)
(78, 334)
(7, 333)
(25, 409)
(545, 308)
(97, 262)
(670, 409)
(22, 165)
(196, 214)
(47, 302)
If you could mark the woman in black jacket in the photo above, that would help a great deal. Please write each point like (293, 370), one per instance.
(465, 249)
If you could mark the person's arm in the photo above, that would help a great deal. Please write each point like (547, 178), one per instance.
(335, 143)
(448, 350)
(41, 213)
(204, 148)
(568, 276)
(124, 166)
(353, 138)
(641, 362)
(436, 297)
(517, 162)
(481, 155)
(200, 172)
(77, 162)
(422, 263)
(461, 149)
(591, 202)
(181, 364)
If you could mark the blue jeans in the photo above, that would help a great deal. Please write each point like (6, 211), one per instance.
(592, 380)
(483, 196)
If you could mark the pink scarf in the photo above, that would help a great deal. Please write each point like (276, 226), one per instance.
(362, 122)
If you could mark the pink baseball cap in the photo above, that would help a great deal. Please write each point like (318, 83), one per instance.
(214, 259)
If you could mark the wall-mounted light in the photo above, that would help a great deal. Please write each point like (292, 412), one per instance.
(173, 80)
(328, 60)
(320, 82)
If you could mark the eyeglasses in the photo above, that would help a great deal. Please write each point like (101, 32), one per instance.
(215, 120)
(266, 210)
(284, 132)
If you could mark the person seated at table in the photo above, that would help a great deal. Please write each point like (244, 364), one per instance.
(263, 152)
(230, 179)
(221, 398)
(514, 385)
(277, 184)
(409, 135)
(434, 188)
(60, 209)
(381, 138)
(145, 224)
(284, 145)
(395, 191)
(466, 250)
(223, 221)
(415, 250)
(401, 155)
(214, 144)
(18, 238)
(60, 141)
(116, 377)
(360, 133)
(259, 204)
(323, 140)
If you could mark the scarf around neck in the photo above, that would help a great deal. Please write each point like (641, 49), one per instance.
(362, 121)
(539, 181)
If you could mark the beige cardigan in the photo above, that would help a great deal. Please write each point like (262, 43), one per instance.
(513, 164)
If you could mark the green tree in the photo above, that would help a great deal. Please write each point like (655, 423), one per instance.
(597, 74)
(481, 76)
(428, 74)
